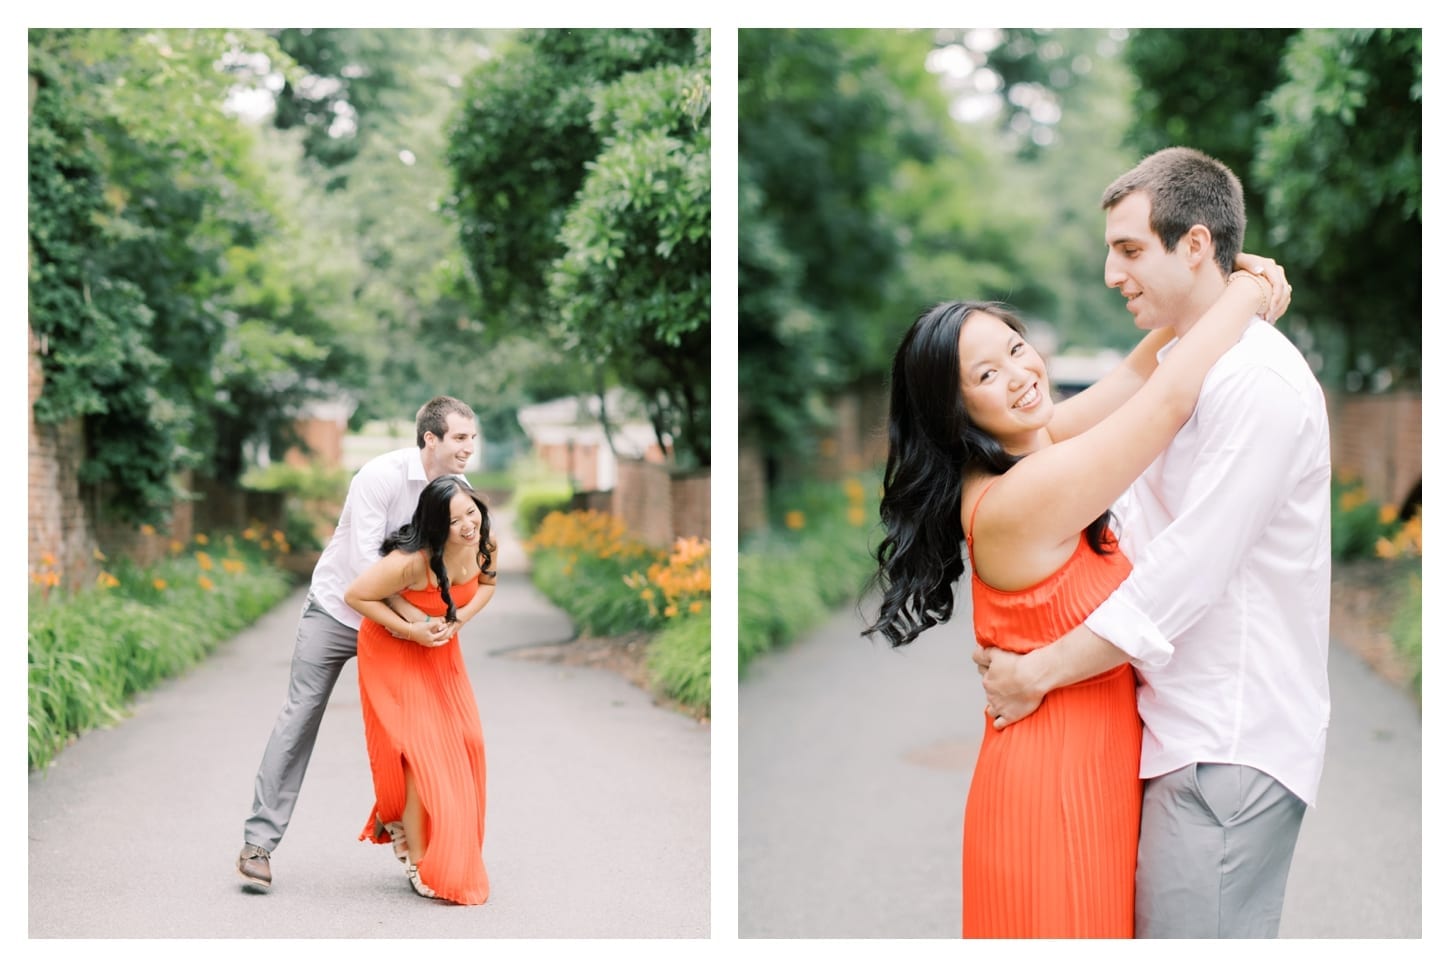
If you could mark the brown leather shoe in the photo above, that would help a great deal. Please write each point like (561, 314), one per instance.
(255, 865)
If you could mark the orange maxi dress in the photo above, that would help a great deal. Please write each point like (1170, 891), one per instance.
(418, 707)
(1050, 837)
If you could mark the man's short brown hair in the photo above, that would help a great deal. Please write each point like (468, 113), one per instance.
(433, 417)
(1186, 188)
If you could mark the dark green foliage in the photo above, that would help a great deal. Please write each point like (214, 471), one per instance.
(1340, 168)
(356, 71)
(581, 164)
(1323, 126)
(91, 319)
(168, 314)
(521, 143)
(826, 117)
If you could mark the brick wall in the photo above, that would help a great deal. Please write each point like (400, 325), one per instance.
(750, 497)
(655, 504)
(323, 438)
(579, 461)
(65, 520)
(690, 504)
(1376, 438)
(642, 500)
(59, 528)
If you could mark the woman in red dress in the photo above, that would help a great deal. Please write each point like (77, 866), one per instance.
(424, 736)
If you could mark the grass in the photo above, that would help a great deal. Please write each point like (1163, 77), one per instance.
(91, 650)
(611, 584)
(1406, 629)
(815, 556)
(679, 661)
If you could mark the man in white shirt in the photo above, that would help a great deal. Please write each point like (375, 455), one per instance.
(381, 498)
(1226, 612)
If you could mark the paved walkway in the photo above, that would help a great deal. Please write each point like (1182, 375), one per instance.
(855, 763)
(598, 812)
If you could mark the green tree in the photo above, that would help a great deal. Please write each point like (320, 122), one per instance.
(581, 172)
(827, 120)
(1339, 167)
(1324, 129)
(169, 317)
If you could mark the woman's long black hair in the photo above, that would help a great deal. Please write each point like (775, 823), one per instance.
(932, 445)
(429, 530)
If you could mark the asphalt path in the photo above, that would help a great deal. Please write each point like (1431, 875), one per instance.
(598, 804)
(854, 765)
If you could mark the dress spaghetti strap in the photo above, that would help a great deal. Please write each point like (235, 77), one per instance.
(972, 517)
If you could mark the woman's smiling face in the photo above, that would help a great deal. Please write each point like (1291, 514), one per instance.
(464, 520)
(1004, 382)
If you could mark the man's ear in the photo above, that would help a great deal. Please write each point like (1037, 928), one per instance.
(1200, 245)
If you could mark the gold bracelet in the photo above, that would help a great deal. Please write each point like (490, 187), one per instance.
(1265, 289)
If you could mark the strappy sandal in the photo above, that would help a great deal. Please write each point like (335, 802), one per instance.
(400, 841)
(419, 887)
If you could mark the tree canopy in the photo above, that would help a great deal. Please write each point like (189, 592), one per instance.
(161, 321)
(881, 171)
(1324, 128)
(581, 177)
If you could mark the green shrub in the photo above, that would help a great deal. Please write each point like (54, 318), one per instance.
(538, 491)
(315, 481)
(610, 583)
(581, 560)
(1357, 523)
(593, 591)
(815, 556)
(679, 661)
(531, 506)
(92, 650)
(1406, 629)
(312, 498)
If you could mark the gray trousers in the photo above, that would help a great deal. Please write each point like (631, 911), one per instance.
(324, 645)
(1213, 853)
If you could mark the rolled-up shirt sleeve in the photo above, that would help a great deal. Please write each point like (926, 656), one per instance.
(1248, 422)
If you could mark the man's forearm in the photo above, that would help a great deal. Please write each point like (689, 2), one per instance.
(1076, 656)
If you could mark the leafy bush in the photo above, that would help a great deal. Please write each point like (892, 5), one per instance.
(537, 493)
(532, 506)
(91, 650)
(679, 661)
(612, 584)
(313, 498)
(816, 555)
(581, 561)
(1360, 528)
(1406, 630)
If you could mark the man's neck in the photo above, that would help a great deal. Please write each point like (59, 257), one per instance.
(1199, 301)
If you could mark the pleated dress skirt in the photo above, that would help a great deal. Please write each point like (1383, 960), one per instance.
(418, 708)
(1050, 834)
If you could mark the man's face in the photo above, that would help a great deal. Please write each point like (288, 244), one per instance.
(1155, 282)
(451, 452)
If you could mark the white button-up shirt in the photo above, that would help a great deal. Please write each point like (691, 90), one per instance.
(1226, 612)
(381, 498)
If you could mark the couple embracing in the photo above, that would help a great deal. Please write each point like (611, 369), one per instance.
(1149, 570)
(411, 561)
